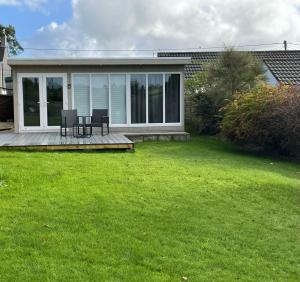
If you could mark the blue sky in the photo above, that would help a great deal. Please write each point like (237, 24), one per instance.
(27, 20)
(150, 24)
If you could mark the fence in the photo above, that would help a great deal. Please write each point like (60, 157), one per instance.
(6, 108)
(5, 80)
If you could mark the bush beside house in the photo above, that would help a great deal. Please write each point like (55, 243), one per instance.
(265, 118)
(207, 92)
(230, 97)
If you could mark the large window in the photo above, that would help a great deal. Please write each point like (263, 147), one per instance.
(172, 98)
(150, 98)
(155, 98)
(138, 98)
(82, 94)
(118, 98)
(100, 91)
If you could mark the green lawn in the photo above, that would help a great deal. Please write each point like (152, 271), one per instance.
(170, 210)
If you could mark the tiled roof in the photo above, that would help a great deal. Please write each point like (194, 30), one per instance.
(284, 65)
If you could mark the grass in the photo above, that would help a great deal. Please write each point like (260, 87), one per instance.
(170, 211)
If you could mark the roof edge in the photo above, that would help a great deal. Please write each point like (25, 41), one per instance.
(99, 61)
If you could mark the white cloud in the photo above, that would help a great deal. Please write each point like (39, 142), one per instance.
(34, 4)
(9, 2)
(31, 4)
(153, 24)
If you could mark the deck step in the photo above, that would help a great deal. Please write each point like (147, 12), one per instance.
(158, 136)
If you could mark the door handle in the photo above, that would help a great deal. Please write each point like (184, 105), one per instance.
(38, 102)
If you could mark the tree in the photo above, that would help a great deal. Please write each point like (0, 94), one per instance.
(209, 91)
(14, 46)
(235, 71)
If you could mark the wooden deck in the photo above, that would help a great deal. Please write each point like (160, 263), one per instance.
(53, 141)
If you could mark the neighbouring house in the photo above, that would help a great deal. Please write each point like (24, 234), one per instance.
(141, 94)
(6, 99)
(5, 71)
(281, 66)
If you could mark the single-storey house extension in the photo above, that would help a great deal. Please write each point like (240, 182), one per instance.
(140, 94)
(281, 66)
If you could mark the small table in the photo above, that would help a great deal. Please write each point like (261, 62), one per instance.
(86, 127)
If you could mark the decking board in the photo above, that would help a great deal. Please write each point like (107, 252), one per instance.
(53, 141)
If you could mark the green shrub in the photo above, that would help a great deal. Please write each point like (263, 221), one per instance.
(265, 118)
(208, 91)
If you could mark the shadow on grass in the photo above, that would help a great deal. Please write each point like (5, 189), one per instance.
(214, 144)
(79, 151)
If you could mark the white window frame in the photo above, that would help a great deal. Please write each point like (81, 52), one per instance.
(42, 100)
(128, 97)
(126, 124)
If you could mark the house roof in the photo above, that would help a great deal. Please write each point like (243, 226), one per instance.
(99, 61)
(284, 65)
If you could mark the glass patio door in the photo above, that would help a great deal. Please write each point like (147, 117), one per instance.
(54, 96)
(43, 98)
(31, 89)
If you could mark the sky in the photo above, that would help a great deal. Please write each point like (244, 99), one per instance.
(137, 25)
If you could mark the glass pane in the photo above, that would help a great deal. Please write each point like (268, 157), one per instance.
(155, 98)
(54, 100)
(138, 98)
(31, 101)
(81, 86)
(172, 98)
(118, 99)
(99, 91)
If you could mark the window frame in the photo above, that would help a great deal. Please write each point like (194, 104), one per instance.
(128, 97)
(147, 97)
(109, 101)
(43, 100)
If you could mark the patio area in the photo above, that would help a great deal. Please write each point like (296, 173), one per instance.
(53, 141)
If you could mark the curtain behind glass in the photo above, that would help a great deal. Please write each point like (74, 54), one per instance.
(138, 98)
(172, 98)
(155, 98)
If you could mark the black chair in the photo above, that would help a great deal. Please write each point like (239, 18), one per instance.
(99, 118)
(69, 119)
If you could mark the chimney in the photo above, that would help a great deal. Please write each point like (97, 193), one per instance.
(285, 45)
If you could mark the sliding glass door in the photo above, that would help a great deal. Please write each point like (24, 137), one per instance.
(100, 91)
(137, 99)
(153, 101)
